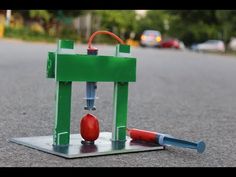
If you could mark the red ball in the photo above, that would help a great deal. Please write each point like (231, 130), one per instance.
(89, 127)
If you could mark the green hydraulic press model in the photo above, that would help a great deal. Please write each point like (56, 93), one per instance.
(66, 66)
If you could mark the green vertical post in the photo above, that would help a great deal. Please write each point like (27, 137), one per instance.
(120, 102)
(62, 117)
(61, 134)
(120, 107)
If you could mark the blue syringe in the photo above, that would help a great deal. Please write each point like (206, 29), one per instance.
(165, 139)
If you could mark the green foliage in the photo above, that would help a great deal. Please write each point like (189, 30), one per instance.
(66, 13)
(68, 32)
(117, 20)
(42, 14)
(227, 23)
(154, 19)
(48, 14)
(37, 28)
(28, 34)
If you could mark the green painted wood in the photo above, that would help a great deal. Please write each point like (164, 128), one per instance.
(68, 67)
(51, 65)
(122, 49)
(120, 102)
(65, 44)
(62, 115)
(120, 107)
(89, 68)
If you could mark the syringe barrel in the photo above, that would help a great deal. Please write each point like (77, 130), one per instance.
(164, 139)
(91, 87)
(142, 135)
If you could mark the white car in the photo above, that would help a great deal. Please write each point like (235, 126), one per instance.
(151, 38)
(232, 44)
(210, 45)
(181, 45)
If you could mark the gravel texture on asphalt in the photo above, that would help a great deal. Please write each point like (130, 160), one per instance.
(188, 95)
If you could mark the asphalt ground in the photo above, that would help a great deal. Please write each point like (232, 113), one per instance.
(188, 95)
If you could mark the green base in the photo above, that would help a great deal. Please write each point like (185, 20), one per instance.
(102, 146)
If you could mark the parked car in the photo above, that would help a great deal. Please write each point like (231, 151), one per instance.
(232, 44)
(150, 38)
(171, 43)
(210, 45)
(181, 45)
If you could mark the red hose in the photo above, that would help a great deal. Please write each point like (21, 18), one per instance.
(103, 32)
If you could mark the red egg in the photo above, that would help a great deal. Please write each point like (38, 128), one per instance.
(89, 127)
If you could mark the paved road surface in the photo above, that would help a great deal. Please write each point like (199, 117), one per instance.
(188, 95)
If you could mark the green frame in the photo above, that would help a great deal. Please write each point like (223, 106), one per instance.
(67, 67)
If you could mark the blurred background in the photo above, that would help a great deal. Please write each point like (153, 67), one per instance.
(185, 86)
(198, 30)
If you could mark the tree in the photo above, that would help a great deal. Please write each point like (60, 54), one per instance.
(154, 19)
(227, 23)
(193, 26)
(118, 21)
(40, 14)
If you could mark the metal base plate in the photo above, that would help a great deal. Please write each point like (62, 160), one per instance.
(102, 146)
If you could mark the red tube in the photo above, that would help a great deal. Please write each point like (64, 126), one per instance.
(103, 32)
(142, 135)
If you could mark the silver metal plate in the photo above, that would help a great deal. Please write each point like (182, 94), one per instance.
(102, 146)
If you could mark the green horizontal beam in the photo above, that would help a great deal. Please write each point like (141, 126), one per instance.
(91, 68)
